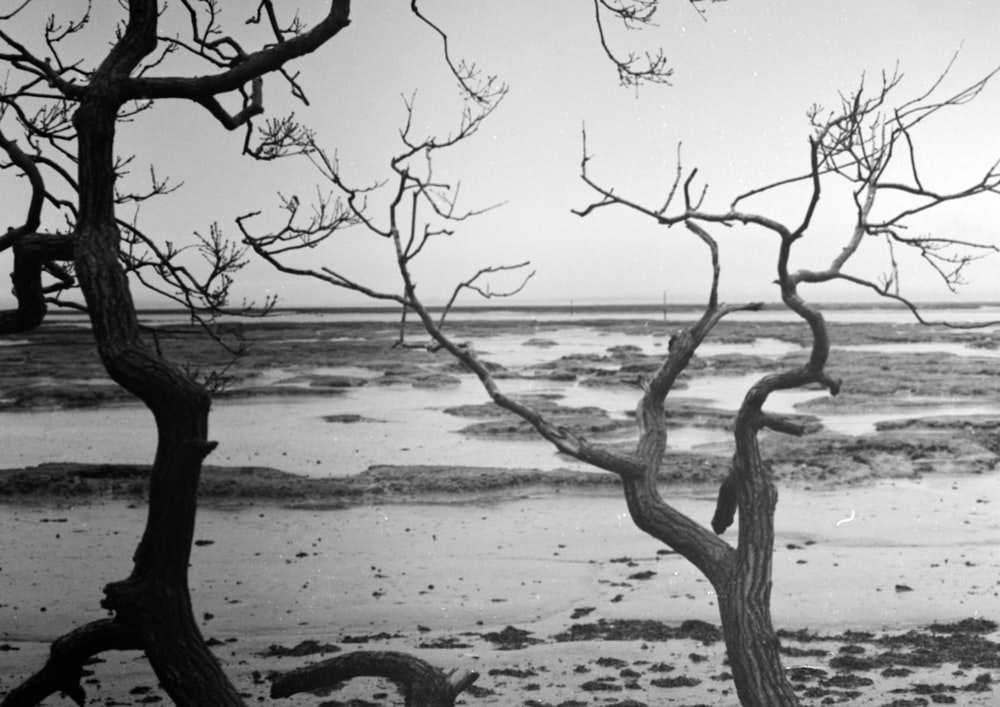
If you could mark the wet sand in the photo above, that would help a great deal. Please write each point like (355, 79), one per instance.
(538, 579)
(437, 578)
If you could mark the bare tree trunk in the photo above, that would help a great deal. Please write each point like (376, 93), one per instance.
(742, 581)
(154, 601)
(752, 645)
(741, 577)
(745, 597)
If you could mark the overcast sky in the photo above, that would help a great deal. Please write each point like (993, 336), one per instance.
(744, 80)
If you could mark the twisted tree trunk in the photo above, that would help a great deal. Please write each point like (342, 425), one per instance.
(741, 577)
(152, 607)
(154, 601)
(745, 596)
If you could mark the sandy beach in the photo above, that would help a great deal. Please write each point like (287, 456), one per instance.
(437, 579)
(885, 584)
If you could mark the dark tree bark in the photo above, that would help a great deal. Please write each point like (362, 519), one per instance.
(154, 601)
(741, 577)
(64, 669)
(152, 607)
(32, 251)
(745, 598)
(422, 684)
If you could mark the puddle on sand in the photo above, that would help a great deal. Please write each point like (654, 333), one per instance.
(770, 348)
(513, 351)
(924, 347)
(727, 392)
(400, 425)
(864, 423)
(409, 426)
(403, 424)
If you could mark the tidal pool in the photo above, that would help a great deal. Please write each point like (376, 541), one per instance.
(924, 347)
(350, 429)
(396, 425)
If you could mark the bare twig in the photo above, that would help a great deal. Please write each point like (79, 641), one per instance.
(485, 90)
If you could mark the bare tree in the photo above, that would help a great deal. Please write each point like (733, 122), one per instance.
(73, 112)
(859, 142)
(64, 112)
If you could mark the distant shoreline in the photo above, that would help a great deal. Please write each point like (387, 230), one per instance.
(651, 307)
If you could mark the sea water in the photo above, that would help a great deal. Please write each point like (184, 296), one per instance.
(406, 425)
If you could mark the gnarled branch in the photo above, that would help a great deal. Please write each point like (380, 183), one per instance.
(63, 671)
(422, 684)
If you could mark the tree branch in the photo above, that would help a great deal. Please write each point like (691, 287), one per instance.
(483, 90)
(247, 68)
(632, 69)
(63, 671)
(422, 684)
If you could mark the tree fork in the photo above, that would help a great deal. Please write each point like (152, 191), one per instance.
(159, 610)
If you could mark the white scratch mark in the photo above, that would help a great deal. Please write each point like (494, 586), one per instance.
(846, 520)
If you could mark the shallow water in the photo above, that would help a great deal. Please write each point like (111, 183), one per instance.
(407, 425)
(727, 392)
(864, 423)
(284, 433)
(401, 425)
(928, 347)
(515, 351)
(770, 348)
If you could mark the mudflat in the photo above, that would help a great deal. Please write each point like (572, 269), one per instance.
(885, 582)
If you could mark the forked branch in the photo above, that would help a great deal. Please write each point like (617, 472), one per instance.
(633, 69)
(485, 291)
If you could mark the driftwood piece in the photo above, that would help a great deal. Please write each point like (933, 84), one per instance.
(63, 672)
(422, 684)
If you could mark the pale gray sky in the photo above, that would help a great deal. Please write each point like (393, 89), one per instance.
(743, 83)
